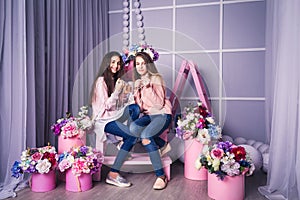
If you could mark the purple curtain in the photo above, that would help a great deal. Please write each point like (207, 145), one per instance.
(43, 43)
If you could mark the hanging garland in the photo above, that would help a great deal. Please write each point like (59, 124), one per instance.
(139, 23)
(125, 24)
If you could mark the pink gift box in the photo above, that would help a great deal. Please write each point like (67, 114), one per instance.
(192, 150)
(78, 183)
(231, 188)
(43, 182)
(64, 144)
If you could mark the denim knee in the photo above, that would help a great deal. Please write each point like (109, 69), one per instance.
(134, 128)
(151, 146)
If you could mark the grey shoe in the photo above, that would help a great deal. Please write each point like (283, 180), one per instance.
(118, 181)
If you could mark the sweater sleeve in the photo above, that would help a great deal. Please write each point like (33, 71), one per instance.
(154, 94)
(101, 102)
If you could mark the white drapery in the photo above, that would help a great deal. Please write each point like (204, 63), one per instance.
(282, 99)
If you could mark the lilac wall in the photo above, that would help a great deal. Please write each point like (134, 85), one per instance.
(227, 43)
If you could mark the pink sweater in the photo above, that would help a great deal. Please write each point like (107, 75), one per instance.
(152, 98)
(103, 106)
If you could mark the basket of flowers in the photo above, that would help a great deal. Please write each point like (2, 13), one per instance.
(227, 165)
(40, 163)
(80, 163)
(71, 131)
(197, 128)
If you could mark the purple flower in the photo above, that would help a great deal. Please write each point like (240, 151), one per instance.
(56, 129)
(31, 169)
(84, 150)
(224, 145)
(179, 132)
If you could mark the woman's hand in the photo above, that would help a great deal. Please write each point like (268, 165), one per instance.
(138, 84)
(119, 85)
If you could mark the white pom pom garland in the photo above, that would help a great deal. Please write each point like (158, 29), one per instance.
(139, 23)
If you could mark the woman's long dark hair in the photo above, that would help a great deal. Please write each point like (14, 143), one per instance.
(152, 70)
(105, 71)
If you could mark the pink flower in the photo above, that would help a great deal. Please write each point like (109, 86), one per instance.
(216, 153)
(63, 165)
(36, 156)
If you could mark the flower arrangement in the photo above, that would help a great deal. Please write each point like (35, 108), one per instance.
(82, 159)
(73, 126)
(197, 123)
(226, 159)
(130, 53)
(36, 160)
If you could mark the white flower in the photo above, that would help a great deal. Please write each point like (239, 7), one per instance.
(71, 159)
(198, 164)
(43, 166)
(210, 120)
(203, 136)
(216, 164)
(182, 123)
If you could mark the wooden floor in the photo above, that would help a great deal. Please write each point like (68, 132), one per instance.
(179, 188)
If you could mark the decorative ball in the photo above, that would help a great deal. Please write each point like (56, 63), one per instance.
(125, 42)
(139, 17)
(227, 138)
(240, 140)
(125, 3)
(125, 36)
(264, 148)
(125, 16)
(141, 36)
(251, 142)
(125, 29)
(125, 23)
(137, 4)
(126, 10)
(137, 11)
(255, 156)
(265, 166)
(141, 30)
(139, 23)
(256, 145)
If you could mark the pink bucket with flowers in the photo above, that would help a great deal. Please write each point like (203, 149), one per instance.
(192, 149)
(43, 182)
(71, 131)
(228, 164)
(80, 183)
(230, 188)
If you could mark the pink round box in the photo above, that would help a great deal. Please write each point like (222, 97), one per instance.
(64, 144)
(78, 183)
(231, 188)
(43, 182)
(192, 150)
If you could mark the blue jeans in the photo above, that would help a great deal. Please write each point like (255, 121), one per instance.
(151, 127)
(118, 128)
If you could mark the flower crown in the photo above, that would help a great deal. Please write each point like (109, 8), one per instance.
(129, 54)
